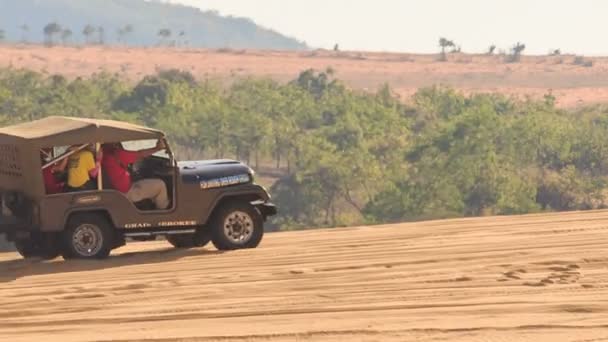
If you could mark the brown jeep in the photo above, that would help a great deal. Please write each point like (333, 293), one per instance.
(215, 200)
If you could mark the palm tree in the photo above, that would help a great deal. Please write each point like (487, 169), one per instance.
(101, 35)
(66, 35)
(164, 35)
(519, 48)
(50, 30)
(119, 35)
(124, 31)
(25, 29)
(516, 52)
(445, 43)
(88, 32)
(127, 30)
(182, 36)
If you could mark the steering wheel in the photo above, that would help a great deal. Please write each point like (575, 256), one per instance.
(135, 171)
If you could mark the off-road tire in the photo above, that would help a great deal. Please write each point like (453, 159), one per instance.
(26, 248)
(249, 219)
(88, 236)
(39, 245)
(199, 239)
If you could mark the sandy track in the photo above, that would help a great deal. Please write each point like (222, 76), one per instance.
(529, 278)
(573, 85)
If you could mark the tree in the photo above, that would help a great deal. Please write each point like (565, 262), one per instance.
(101, 35)
(2, 35)
(519, 48)
(120, 35)
(516, 52)
(66, 35)
(50, 31)
(88, 32)
(316, 83)
(491, 49)
(164, 35)
(445, 43)
(336, 47)
(128, 29)
(182, 38)
(25, 29)
(124, 31)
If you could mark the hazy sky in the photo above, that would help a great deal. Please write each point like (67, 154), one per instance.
(576, 26)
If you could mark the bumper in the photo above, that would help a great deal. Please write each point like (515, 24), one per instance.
(266, 208)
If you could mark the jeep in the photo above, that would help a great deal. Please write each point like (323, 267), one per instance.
(214, 201)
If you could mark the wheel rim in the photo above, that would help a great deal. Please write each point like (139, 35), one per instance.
(238, 227)
(87, 240)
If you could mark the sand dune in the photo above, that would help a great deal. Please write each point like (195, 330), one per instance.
(566, 76)
(529, 278)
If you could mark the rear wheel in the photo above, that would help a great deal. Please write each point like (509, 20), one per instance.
(39, 245)
(199, 239)
(237, 225)
(88, 236)
(26, 248)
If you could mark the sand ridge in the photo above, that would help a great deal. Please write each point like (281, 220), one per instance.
(573, 84)
(528, 278)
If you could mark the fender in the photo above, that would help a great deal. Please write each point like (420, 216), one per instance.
(58, 208)
(251, 193)
(75, 211)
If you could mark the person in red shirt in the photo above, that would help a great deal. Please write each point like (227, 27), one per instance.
(115, 164)
(51, 184)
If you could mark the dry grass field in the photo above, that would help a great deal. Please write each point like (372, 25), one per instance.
(527, 278)
(573, 81)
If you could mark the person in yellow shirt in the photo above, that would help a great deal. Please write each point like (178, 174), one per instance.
(83, 168)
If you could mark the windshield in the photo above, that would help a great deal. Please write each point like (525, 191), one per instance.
(138, 145)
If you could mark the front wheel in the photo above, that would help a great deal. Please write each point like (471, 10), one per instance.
(89, 236)
(237, 225)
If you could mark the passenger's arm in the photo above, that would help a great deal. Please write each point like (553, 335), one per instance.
(160, 145)
(94, 165)
(95, 171)
(60, 167)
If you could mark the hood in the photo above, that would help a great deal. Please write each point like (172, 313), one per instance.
(212, 170)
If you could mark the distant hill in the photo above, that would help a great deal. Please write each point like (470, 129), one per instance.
(188, 26)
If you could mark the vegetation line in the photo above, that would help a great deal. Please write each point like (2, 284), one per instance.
(336, 157)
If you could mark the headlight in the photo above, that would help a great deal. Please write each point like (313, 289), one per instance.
(266, 191)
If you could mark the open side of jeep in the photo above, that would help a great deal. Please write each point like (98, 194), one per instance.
(213, 200)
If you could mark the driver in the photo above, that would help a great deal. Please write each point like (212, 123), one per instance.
(115, 162)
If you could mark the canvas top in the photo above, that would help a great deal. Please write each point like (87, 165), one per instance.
(61, 131)
(20, 159)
